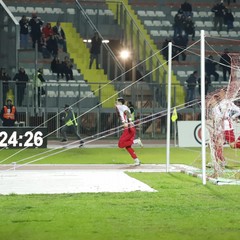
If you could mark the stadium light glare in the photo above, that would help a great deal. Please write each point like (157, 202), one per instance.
(124, 54)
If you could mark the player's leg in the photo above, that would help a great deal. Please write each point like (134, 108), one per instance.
(64, 133)
(138, 141)
(127, 137)
(126, 141)
(133, 155)
(74, 130)
(236, 144)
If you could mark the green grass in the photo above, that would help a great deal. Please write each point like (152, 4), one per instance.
(181, 209)
(99, 155)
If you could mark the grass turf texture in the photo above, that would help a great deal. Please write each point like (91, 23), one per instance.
(99, 155)
(181, 209)
(189, 156)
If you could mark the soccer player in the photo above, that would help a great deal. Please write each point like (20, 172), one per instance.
(127, 138)
(228, 112)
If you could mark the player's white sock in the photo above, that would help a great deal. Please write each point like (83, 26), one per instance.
(137, 162)
(138, 141)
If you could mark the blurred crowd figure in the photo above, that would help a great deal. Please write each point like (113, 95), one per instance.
(183, 21)
(49, 42)
(222, 16)
(21, 79)
(62, 68)
(179, 45)
(47, 38)
(207, 82)
(96, 43)
(186, 7)
(210, 68)
(229, 1)
(192, 81)
(225, 63)
(60, 35)
(39, 80)
(24, 31)
(184, 28)
(4, 77)
(35, 24)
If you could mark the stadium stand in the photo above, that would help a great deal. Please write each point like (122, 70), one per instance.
(157, 17)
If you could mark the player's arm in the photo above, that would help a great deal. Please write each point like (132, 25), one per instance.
(129, 117)
(128, 122)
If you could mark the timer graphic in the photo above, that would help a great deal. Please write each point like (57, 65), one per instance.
(14, 137)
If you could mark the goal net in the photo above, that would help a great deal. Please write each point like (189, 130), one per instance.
(222, 121)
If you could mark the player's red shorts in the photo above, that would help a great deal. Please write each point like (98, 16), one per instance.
(229, 136)
(127, 137)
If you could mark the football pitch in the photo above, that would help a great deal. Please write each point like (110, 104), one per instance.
(180, 208)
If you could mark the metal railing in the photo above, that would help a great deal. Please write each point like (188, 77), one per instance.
(92, 118)
(138, 43)
(9, 40)
(86, 27)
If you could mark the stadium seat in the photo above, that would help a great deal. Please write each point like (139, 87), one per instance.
(189, 72)
(75, 72)
(141, 13)
(71, 11)
(199, 24)
(163, 33)
(202, 14)
(224, 34)
(151, 13)
(101, 12)
(233, 34)
(207, 34)
(148, 23)
(160, 14)
(173, 13)
(208, 24)
(30, 9)
(48, 10)
(170, 33)
(18, 18)
(181, 74)
(214, 33)
(91, 11)
(157, 23)
(195, 14)
(58, 11)
(12, 9)
(46, 71)
(21, 9)
(155, 33)
(166, 23)
(236, 24)
(237, 14)
(108, 12)
(39, 10)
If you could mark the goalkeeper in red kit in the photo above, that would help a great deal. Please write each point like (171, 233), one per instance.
(127, 138)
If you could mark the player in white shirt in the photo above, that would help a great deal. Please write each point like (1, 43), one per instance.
(225, 113)
(127, 138)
